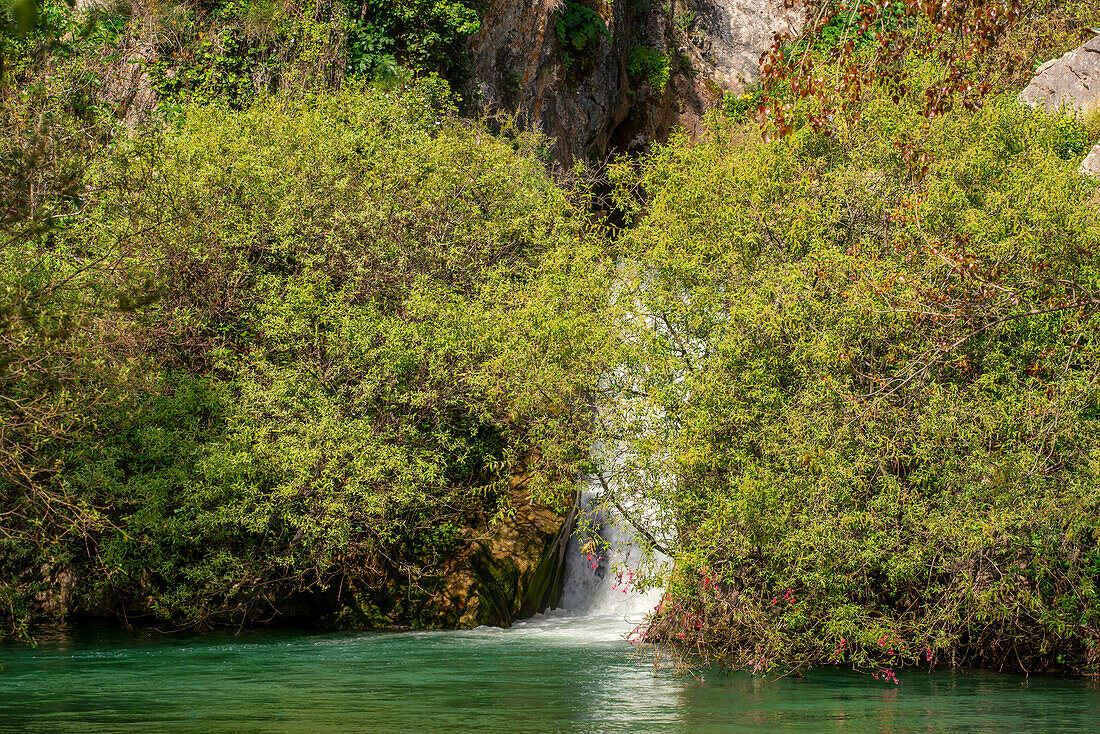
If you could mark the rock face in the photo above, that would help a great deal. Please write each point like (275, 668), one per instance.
(592, 102)
(498, 572)
(601, 103)
(56, 599)
(1073, 82)
(730, 35)
(510, 573)
(1091, 164)
(126, 82)
(517, 62)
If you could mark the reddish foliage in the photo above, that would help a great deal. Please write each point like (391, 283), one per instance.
(845, 46)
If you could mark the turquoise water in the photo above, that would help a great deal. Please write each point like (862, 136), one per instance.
(553, 674)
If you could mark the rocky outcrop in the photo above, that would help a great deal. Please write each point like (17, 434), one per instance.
(126, 81)
(600, 104)
(518, 64)
(158, 43)
(729, 35)
(511, 572)
(55, 600)
(1071, 82)
(1091, 164)
(592, 102)
(498, 571)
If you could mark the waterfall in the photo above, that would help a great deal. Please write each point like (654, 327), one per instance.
(598, 580)
(599, 603)
(603, 556)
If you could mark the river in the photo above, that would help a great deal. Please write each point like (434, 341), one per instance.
(565, 671)
(553, 674)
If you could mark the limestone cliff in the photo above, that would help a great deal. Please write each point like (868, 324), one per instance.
(710, 47)
(592, 102)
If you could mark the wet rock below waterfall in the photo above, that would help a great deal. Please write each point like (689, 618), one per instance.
(497, 573)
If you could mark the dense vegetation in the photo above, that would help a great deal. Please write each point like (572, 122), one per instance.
(338, 323)
(282, 340)
(878, 392)
(866, 351)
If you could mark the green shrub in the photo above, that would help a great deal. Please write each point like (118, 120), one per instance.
(866, 370)
(423, 34)
(844, 25)
(237, 49)
(579, 29)
(739, 107)
(368, 311)
(232, 51)
(643, 62)
(684, 21)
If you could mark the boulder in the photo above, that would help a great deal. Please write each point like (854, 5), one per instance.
(501, 569)
(1072, 80)
(730, 35)
(511, 570)
(1091, 164)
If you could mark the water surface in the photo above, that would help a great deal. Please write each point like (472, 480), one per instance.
(557, 673)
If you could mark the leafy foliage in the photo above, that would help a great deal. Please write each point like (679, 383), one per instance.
(579, 30)
(643, 62)
(277, 362)
(847, 47)
(233, 51)
(367, 311)
(876, 391)
(58, 315)
(738, 107)
(424, 34)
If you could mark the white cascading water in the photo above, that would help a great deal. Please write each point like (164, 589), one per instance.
(598, 600)
(598, 577)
